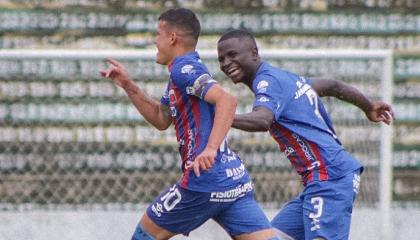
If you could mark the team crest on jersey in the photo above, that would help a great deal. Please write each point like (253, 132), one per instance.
(188, 69)
(262, 86)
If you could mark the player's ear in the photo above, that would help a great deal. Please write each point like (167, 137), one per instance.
(173, 38)
(255, 55)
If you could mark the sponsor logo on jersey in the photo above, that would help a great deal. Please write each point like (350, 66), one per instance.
(188, 69)
(231, 194)
(228, 157)
(235, 173)
(263, 99)
(308, 154)
(262, 86)
(188, 142)
(191, 142)
(227, 154)
(157, 209)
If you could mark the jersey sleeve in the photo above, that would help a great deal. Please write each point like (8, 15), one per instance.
(193, 78)
(269, 94)
(165, 97)
(308, 81)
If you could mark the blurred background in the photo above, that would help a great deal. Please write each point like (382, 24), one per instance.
(78, 162)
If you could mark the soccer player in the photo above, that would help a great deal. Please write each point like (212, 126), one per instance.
(215, 184)
(288, 106)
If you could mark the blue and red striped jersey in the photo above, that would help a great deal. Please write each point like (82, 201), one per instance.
(301, 127)
(193, 119)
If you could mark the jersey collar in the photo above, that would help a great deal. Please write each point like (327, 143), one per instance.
(193, 54)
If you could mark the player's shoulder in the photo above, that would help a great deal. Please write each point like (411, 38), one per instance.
(270, 73)
(265, 77)
(274, 78)
(277, 72)
(188, 64)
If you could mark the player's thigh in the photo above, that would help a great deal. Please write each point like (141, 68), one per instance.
(179, 211)
(289, 220)
(244, 218)
(328, 207)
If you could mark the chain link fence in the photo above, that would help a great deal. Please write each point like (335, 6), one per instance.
(71, 138)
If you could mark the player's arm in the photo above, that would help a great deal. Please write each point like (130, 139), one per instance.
(152, 110)
(376, 111)
(225, 106)
(259, 120)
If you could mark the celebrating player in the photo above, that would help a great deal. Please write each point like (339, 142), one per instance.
(289, 107)
(215, 183)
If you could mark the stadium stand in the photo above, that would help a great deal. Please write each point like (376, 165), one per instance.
(68, 137)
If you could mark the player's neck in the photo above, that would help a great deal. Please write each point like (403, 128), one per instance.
(250, 78)
(182, 50)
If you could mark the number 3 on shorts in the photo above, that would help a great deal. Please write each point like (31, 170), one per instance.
(171, 198)
(318, 203)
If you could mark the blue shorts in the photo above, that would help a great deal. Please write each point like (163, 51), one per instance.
(323, 209)
(179, 210)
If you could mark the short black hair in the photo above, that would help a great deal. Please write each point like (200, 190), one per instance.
(238, 33)
(184, 19)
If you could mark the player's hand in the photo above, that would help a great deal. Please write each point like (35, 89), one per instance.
(204, 161)
(117, 73)
(380, 112)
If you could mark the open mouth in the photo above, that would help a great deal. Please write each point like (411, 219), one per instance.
(233, 72)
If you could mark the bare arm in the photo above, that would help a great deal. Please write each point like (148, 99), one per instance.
(225, 111)
(376, 111)
(259, 120)
(153, 111)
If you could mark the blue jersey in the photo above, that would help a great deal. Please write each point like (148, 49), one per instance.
(193, 120)
(302, 127)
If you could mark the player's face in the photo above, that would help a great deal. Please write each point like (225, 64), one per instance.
(163, 43)
(236, 60)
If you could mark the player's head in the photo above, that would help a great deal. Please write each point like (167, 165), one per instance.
(238, 56)
(177, 32)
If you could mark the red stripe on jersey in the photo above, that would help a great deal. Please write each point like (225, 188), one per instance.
(196, 112)
(195, 104)
(322, 168)
(287, 135)
(294, 143)
(186, 176)
(183, 121)
(283, 146)
(175, 119)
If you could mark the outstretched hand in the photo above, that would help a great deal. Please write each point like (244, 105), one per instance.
(204, 161)
(380, 112)
(117, 73)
